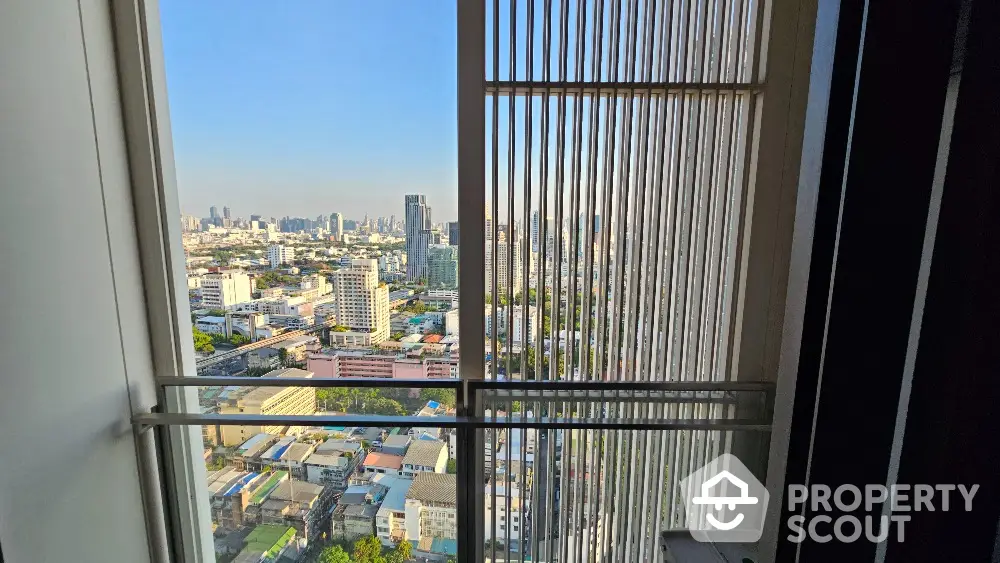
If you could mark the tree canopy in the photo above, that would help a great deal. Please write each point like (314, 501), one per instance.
(202, 341)
(334, 554)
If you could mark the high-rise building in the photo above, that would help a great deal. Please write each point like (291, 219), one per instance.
(224, 290)
(418, 233)
(278, 254)
(337, 225)
(213, 212)
(442, 266)
(453, 233)
(361, 304)
(226, 213)
(508, 246)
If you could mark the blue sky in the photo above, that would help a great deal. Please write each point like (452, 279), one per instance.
(309, 107)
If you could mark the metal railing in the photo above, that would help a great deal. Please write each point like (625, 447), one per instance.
(602, 420)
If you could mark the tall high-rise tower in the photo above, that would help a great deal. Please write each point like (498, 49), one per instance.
(418, 234)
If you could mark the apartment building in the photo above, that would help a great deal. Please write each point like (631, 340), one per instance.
(269, 400)
(442, 266)
(506, 523)
(368, 364)
(361, 305)
(520, 330)
(224, 290)
(278, 254)
(430, 507)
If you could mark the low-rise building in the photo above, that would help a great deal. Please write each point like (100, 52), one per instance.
(248, 454)
(267, 400)
(390, 522)
(396, 444)
(332, 469)
(425, 456)
(301, 505)
(233, 492)
(430, 507)
(380, 463)
(348, 521)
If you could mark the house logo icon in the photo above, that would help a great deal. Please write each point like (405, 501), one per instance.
(724, 502)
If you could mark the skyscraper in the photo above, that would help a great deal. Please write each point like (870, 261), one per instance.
(225, 212)
(442, 266)
(213, 212)
(337, 225)
(453, 233)
(418, 234)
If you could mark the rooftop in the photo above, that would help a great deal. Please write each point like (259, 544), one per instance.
(261, 393)
(433, 487)
(395, 498)
(326, 460)
(366, 511)
(424, 452)
(396, 441)
(298, 491)
(269, 539)
(387, 461)
(268, 486)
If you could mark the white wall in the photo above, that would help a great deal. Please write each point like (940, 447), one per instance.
(69, 484)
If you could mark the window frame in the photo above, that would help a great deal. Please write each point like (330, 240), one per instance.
(764, 266)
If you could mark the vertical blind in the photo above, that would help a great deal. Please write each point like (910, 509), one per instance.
(619, 136)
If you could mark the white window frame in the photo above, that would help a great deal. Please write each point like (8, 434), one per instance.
(774, 186)
(185, 526)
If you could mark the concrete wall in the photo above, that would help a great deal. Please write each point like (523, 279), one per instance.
(75, 347)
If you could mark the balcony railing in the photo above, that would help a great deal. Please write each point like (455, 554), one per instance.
(594, 446)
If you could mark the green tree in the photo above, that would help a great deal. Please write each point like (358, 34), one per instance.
(334, 554)
(444, 396)
(416, 306)
(202, 341)
(368, 550)
(283, 356)
(451, 467)
(334, 398)
(404, 550)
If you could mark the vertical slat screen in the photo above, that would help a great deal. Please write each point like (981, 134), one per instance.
(618, 141)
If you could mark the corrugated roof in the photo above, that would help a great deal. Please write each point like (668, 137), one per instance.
(433, 487)
(424, 452)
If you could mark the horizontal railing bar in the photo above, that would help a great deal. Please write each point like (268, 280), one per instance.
(224, 381)
(473, 384)
(560, 385)
(590, 88)
(181, 419)
(596, 397)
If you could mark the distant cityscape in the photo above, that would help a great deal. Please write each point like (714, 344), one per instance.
(328, 298)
